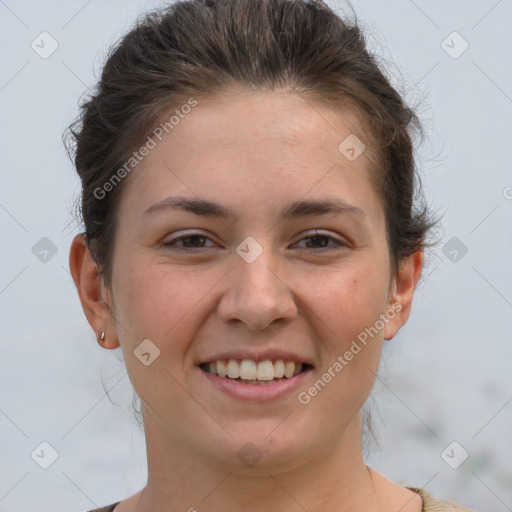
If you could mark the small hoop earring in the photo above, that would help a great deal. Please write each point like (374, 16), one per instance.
(102, 336)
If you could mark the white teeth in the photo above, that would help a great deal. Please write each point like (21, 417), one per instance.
(279, 369)
(265, 370)
(289, 368)
(233, 369)
(221, 369)
(249, 370)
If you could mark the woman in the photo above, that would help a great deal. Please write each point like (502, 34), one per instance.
(250, 241)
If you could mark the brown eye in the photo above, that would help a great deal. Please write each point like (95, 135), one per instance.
(322, 241)
(192, 241)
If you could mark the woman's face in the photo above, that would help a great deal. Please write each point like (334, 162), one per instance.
(256, 285)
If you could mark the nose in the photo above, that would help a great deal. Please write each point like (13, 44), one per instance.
(256, 295)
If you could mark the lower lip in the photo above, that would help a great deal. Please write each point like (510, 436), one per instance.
(256, 392)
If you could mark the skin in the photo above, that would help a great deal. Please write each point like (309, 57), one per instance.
(192, 305)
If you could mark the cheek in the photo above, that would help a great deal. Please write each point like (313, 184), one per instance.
(160, 302)
(349, 300)
(348, 309)
(348, 305)
(163, 305)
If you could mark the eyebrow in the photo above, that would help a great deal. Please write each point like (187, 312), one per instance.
(291, 210)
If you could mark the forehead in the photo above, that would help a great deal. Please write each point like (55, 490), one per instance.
(243, 143)
(276, 119)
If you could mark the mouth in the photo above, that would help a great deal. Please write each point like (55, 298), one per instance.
(247, 371)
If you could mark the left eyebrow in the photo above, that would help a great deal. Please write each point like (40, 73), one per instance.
(319, 207)
(291, 210)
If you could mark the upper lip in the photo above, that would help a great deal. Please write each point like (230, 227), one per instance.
(263, 355)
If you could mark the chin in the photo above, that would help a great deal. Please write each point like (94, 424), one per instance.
(262, 448)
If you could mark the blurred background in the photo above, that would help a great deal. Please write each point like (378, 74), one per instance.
(442, 405)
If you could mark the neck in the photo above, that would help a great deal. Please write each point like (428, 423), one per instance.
(336, 479)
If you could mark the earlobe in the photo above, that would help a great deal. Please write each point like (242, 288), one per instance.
(91, 291)
(402, 293)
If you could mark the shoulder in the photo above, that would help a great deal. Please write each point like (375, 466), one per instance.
(109, 508)
(431, 504)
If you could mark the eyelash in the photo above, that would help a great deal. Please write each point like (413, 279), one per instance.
(338, 243)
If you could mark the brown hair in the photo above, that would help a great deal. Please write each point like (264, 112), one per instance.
(200, 48)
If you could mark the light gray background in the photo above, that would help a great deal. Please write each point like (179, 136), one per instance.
(447, 375)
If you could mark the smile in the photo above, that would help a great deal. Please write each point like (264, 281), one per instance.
(251, 372)
(251, 380)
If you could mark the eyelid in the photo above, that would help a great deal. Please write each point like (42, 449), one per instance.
(338, 243)
(186, 234)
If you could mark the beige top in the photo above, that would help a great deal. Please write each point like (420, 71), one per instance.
(430, 504)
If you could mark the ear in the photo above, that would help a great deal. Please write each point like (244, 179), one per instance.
(402, 290)
(92, 292)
